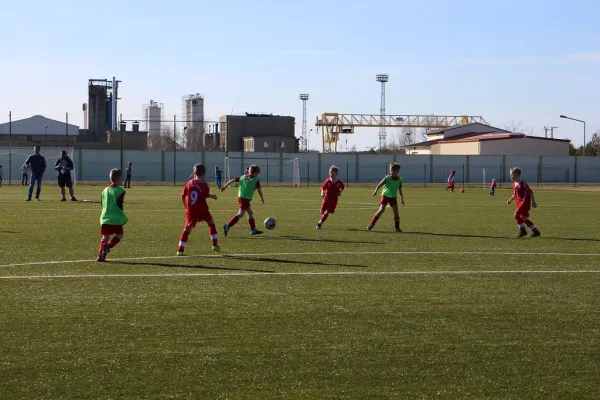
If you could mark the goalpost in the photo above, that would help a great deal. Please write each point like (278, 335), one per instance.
(13, 159)
(226, 171)
(295, 175)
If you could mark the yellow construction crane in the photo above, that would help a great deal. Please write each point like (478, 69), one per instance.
(334, 124)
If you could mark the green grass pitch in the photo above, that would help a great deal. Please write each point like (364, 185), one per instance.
(454, 307)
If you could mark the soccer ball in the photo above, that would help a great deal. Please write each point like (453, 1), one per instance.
(270, 223)
(462, 190)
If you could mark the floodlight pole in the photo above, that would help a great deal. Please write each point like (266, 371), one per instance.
(382, 78)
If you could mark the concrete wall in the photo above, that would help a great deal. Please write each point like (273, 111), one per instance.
(525, 146)
(156, 166)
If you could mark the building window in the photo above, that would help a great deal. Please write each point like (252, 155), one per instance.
(266, 145)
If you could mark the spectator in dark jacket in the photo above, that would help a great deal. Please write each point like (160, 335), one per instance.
(37, 164)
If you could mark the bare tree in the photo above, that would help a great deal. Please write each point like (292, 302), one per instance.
(517, 127)
(162, 142)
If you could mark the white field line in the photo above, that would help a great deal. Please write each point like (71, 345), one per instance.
(225, 256)
(373, 206)
(332, 273)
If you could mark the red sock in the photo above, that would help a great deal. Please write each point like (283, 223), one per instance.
(375, 218)
(397, 223)
(531, 225)
(323, 218)
(183, 239)
(214, 237)
(252, 224)
(233, 220)
(115, 241)
(102, 248)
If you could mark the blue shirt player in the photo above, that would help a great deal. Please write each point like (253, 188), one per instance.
(37, 164)
(218, 177)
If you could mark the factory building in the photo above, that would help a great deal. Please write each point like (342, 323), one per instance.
(480, 139)
(258, 133)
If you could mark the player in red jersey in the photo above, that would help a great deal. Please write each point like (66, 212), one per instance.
(331, 190)
(525, 201)
(193, 197)
(451, 181)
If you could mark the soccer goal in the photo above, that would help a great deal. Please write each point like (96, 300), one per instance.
(226, 171)
(294, 173)
(13, 160)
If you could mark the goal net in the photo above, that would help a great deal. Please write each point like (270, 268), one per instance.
(13, 160)
(226, 171)
(292, 176)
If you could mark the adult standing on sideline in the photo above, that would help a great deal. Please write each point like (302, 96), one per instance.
(128, 176)
(37, 164)
(64, 166)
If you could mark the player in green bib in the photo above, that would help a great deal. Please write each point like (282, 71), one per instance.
(392, 185)
(113, 217)
(247, 185)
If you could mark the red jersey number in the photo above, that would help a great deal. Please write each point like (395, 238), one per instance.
(196, 191)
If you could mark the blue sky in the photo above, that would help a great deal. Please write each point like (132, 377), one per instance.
(523, 61)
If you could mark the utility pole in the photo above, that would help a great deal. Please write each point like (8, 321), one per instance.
(383, 78)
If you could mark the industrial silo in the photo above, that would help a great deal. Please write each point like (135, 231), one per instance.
(193, 112)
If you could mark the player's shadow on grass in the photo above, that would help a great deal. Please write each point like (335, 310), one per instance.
(462, 235)
(303, 239)
(174, 265)
(277, 260)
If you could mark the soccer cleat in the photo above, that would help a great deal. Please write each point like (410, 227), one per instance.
(255, 232)
(27, 199)
(398, 230)
(225, 229)
(179, 253)
(319, 226)
(37, 199)
(215, 247)
(370, 227)
(522, 234)
(100, 259)
(63, 199)
(535, 234)
(73, 198)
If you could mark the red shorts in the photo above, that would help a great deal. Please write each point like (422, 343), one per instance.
(522, 212)
(385, 201)
(329, 205)
(244, 204)
(111, 229)
(192, 219)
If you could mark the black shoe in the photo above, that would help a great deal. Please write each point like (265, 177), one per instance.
(535, 234)
(63, 199)
(256, 232)
(522, 233)
(73, 198)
